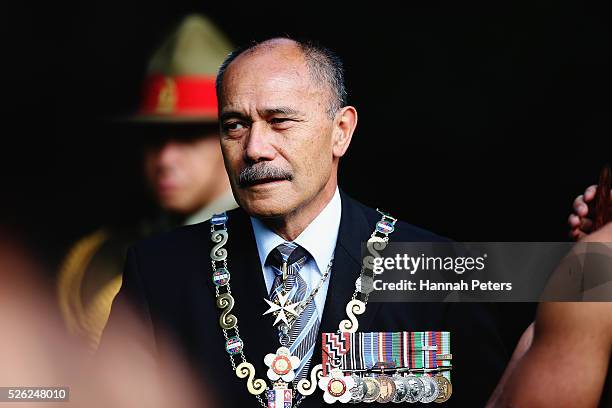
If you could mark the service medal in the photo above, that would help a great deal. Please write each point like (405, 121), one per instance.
(400, 389)
(372, 389)
(415, 388)
(359, 390)
(445, 388)
(431, 389)
(387, 389)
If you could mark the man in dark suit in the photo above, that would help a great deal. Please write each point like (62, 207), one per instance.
(285, 124)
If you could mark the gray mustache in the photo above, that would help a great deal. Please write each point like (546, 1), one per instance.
(252, 174)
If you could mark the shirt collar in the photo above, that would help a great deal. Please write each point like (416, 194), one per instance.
(319, 238)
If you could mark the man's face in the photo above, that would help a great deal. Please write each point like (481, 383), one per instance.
(182, 170)
(276, 133)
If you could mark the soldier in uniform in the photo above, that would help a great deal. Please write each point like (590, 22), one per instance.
(182, 163)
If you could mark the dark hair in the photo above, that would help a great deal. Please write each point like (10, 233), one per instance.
(323, 64)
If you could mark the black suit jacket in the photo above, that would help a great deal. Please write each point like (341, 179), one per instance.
(168, 279)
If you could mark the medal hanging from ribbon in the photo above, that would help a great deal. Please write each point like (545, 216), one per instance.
(409, 356)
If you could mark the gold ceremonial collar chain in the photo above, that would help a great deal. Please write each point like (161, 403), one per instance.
(282, 364)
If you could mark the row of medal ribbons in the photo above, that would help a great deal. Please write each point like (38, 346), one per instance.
(350, 359)
(407, 350)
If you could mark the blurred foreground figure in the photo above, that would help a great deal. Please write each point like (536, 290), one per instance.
(183, 166)
(562, 359)
(35, 350)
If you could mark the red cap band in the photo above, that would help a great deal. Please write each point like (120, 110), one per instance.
(180, 96)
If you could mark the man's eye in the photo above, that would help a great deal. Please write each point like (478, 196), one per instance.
(276, 121)
(233, 126)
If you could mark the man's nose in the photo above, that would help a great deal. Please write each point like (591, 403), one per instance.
(168, 152)
(259, 145)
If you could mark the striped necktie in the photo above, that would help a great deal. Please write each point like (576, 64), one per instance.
(304, 330)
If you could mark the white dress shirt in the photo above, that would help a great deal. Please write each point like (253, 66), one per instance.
(319, 239)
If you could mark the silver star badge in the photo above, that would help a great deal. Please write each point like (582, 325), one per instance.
(282, 308)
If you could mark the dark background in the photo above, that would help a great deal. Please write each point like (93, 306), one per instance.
(479, 122)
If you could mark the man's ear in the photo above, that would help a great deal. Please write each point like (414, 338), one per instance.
(344, 126)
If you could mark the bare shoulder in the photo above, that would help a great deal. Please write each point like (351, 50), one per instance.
(604, 234)
(564, 331)
(564, 335)
(594, 318)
